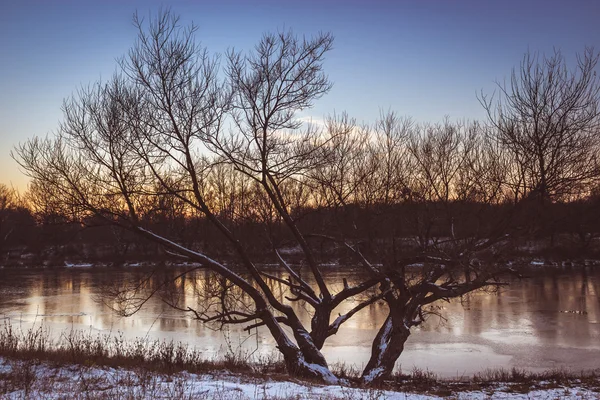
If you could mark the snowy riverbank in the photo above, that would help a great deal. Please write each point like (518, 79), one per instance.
(38, 380)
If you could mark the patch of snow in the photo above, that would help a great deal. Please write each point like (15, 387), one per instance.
(331, 264)
(78, 265)
(76, 381)
(111, 383)
(324, 372)
(536, 263)
(137, 264)
(290, 250)
(415, 265)
(374, 373)
(4, 367)
(321, 371)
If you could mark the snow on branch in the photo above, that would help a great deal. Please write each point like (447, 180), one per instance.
(335, 325)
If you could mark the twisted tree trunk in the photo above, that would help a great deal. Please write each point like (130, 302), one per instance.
(305, 360)
(386, 349)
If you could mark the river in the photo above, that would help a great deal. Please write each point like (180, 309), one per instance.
(549, 320)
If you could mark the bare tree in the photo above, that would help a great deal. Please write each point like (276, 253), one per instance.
(284, 75)
(338, 179)
(547, 118)
(445, 182)
(144, 135)
(451, 188)
(390, 152)
(7, 204)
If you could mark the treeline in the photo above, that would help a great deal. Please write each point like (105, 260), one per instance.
(396, 185)
(531, 170)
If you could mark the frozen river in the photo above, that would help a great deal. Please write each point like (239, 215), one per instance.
(550, 321)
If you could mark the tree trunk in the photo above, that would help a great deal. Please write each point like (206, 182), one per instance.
(387, 347)
(298, 366)
(304, 360)
(320, 327)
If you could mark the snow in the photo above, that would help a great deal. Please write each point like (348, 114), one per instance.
(560, 393)
(374, 373)
(383, 343)
(339, 321)
(537, 263)
(137, 264)
(290, 250)
(79, 265)
(320, 370)
(384, 338)
(102, 382)
(324, 372)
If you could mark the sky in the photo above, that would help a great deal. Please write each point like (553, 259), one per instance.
(424, 59)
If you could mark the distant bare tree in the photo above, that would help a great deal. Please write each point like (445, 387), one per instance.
(392, 172)
(7, 204)
(6, 198)
(548, 117)
(344, 170)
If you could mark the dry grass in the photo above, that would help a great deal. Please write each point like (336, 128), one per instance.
(492, 380)
(166, 357)
(145, 365)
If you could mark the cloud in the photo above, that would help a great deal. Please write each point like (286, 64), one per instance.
(315, 121)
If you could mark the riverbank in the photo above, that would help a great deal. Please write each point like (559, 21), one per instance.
(34, 379)
(79, 365)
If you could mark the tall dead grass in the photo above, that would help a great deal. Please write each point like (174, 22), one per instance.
(113, 350)
(149, 361)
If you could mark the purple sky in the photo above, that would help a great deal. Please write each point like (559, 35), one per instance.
(425, 59)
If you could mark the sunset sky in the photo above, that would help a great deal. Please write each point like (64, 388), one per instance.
(425, 59)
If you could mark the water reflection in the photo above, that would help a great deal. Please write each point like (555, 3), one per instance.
(538, 323)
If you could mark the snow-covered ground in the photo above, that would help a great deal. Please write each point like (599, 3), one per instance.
(28, 380)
